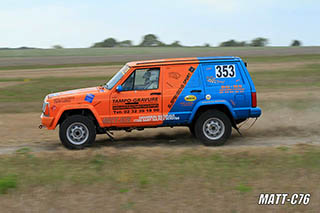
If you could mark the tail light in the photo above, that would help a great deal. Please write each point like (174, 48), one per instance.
(254, 99)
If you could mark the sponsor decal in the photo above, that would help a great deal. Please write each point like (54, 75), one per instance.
(213, 101)
(89, 98)
(232, 89)
(192, 69)
(208, 97)
(186, 104)
(63, 100)
(213, 80)
(185, 81)
(174, 75)
(149, 118)
(135, 105)
(110, 120)
(134, 100)
(190, 98)
(169, 84)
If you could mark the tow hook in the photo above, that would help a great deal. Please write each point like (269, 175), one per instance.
(41, 126)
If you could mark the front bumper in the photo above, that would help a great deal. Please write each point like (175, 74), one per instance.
(47, 121)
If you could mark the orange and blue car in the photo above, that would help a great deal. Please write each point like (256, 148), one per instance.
(210, 95)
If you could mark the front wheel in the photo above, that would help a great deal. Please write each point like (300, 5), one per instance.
(213, 128)
(77, 132)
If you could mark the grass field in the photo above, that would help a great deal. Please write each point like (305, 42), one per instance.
(153, 51)
(32, 90)
(134, 182)
(51, 58)
(158, 170)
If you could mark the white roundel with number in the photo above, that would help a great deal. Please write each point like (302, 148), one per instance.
(225, 71)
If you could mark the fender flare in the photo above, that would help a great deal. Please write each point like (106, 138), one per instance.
(72, 107)
(211, 103)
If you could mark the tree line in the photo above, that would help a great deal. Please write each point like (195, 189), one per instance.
(151, 40)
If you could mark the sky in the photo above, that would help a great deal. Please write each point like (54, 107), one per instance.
(80, 23)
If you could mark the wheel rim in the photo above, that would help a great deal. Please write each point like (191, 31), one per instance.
(213, 128)
(77, 133)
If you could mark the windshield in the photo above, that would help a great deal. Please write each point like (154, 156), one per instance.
(114, 80)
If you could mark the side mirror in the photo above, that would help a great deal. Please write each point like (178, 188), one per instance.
(119, 88)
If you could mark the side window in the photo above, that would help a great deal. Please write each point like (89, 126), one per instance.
(142, 79)
(128, 84)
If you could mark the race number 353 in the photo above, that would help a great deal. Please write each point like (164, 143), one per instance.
(225, 71)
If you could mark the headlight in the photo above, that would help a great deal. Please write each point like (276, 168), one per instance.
(45, 108)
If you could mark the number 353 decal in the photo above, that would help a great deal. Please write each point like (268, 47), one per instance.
(225, 71)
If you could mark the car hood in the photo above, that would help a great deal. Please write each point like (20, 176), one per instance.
(76, 92)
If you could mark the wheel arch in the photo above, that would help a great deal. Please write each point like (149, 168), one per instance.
(223, 107)
(78, 111)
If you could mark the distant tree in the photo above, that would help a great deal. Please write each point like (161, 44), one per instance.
(109, 42)
(151, 40)
(125, 43)
(57, 46)
(233, 43)
(206, 45)
(296, 43)
(175, 44)
(259, 42)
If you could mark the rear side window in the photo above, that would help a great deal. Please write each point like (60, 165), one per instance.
(222, 74)
(142, 79)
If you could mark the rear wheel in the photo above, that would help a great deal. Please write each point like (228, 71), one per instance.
(213, 128)
(77, 132)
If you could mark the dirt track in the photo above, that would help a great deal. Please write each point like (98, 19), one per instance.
(275, 128)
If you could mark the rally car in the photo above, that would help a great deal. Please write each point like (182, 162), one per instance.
(210, 95)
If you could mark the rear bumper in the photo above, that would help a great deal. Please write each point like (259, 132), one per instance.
(47, 121)
(255, 112)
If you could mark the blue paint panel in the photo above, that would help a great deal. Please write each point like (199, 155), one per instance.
(89, 98)
(232, 92)
(183, 108)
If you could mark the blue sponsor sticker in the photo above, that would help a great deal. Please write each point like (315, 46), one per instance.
(89, 98)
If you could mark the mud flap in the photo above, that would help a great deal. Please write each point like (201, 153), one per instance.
(234, 125)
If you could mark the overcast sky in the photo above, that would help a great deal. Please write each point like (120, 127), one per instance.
(80, 23)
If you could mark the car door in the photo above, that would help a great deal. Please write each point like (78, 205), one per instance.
(139, 101)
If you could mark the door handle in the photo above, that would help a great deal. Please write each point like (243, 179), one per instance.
(193, 91)
(155, 93)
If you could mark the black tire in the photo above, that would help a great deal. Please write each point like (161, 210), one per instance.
(214, 121)
(83, 125)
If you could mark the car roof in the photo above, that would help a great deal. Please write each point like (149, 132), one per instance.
(170, 61)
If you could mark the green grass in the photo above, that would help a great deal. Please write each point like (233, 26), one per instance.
(120, 51)
(6, 183)
(37, 89)
(55, 66)
(243, 188)
(126, 172)
(32, 91)
(285, 58)
(28, 97)
(305, 77)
